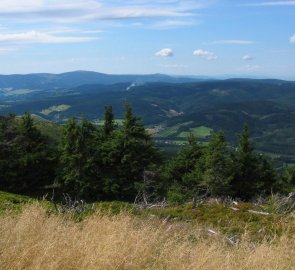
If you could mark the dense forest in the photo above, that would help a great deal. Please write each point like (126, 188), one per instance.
(117, 162)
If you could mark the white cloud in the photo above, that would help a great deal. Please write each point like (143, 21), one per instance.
(167, 52)
(247, 58)
(273, 4)
(38, 37)
(249, 68)
(205, 54)
(4, 50)
(292, 39)
(79, 10)
(175, 66)
(234, 42)
(169, 24)
(35, 6)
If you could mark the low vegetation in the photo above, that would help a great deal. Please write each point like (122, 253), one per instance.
(117, 162)
(143, 212)
(36, 238)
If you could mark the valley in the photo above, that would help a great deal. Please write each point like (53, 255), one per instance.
(171, 108)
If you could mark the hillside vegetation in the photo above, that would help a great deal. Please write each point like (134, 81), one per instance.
(36, 238)
(119, 161)
(266, 105)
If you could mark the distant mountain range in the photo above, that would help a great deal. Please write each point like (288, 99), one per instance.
(170, 106)
(76, 78)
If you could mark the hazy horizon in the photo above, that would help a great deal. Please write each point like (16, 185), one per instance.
(215, 38)
(217, 77)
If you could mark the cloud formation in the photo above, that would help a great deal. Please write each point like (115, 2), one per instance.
(167, 52)
(172, 23)
(234, 42)
(63, 11)
(4, 50)
(249, 68)
(292, 39)
(247, 58)
(39, 37)
(175, 66)
(205, 54)
(273, 4)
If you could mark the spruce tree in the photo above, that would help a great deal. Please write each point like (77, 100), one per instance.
(27, 159)
(245, 182)
(253, 173)
(131, 152)
(182, 173)
(218, 164)
(109, 124)
(79, 174)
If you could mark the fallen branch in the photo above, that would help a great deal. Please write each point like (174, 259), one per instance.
(259, 213)
(231, 240)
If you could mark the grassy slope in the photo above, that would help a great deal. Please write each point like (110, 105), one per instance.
(12, 202)
(35, 239)
(211, 215)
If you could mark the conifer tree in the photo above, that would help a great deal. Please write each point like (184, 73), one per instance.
(245, 182)
(253, 173)
(79, 173)
(218, 164)
(132, 151)
(182, 173)
(109, 124)
(30, 159)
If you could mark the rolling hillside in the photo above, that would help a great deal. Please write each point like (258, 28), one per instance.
(73, 79)
(173, 110)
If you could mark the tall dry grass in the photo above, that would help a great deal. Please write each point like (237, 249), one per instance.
(35, 240)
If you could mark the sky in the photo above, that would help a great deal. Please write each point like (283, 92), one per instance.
(231, 38)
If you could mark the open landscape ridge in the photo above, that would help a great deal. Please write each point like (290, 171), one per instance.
(170, 107)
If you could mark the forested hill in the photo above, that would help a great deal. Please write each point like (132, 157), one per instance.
(76, 78)
(172, 110)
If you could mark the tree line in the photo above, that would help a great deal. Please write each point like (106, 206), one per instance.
(110, 163)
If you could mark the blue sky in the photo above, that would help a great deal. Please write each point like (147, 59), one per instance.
(245, 38)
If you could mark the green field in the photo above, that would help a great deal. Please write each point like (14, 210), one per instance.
(19, 92)
(99, 122)
(172, 131)
(59, 108)
(182, 131)
(199, 132)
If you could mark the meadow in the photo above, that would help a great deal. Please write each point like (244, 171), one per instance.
(34, 236)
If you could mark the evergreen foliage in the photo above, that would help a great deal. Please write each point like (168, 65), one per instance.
(253, 174)
(182, 173)
(105, 163)
(109, 124)
(111, 163)
(218, 166)
(79, 173)
(27, 159)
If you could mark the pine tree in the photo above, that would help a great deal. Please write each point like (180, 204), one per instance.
(39, 157)
(130, 152)
(79, 173)
(218, 164)
(182, 173)
(8, 153)
(109, 124)
(253, 173)
(245, 182)
(133, 126)
(30, 159)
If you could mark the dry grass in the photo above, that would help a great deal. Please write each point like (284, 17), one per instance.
(34, 239)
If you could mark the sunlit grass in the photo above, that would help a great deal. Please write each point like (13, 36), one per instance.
(35, 239)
